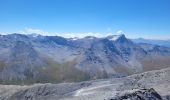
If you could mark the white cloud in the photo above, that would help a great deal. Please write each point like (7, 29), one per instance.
(31, 31)
(66, 35)
(81, 35)
(119, 32)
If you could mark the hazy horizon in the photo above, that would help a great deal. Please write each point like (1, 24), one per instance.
(149, 19)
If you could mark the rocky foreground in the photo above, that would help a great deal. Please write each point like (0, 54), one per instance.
(153, 85)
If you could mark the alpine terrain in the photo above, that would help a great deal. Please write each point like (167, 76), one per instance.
(108, 68)
(26, 59)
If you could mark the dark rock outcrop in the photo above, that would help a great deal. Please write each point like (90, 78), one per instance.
(143, 94)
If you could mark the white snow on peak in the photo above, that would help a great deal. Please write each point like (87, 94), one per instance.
(114, 37)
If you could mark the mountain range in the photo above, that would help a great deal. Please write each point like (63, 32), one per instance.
(26, 59)
(165, 43)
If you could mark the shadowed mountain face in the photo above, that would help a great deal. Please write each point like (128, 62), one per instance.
(30, 59)
(23, 62)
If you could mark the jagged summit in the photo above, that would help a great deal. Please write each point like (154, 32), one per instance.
(123, 40)
(120, 39)
(115, 37)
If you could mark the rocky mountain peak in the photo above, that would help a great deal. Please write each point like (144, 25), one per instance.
(115, 37)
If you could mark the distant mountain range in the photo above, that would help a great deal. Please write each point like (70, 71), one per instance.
(35, 58)
(165, 43)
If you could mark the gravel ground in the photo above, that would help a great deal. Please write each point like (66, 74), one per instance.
(103, 89)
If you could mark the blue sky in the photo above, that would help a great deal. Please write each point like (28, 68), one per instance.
(136, 18)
